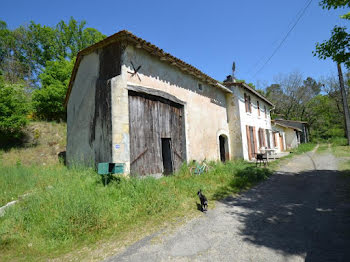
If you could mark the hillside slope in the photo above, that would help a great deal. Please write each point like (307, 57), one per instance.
(42, 143)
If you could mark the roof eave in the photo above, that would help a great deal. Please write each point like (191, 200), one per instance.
(252, 90)
(154, 50)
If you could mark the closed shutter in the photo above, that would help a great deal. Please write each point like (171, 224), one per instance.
(254, 139)
(249, 143)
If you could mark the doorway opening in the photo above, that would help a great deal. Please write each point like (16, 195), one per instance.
(224, 153)
(167, 157)
(281, 142)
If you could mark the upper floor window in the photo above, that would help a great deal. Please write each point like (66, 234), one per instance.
(200, 87)
(265, 109)
(248, 104)
(258, 106)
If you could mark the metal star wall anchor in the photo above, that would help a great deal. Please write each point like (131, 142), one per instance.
(135, 71)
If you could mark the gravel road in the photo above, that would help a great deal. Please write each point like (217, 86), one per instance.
(302, 213)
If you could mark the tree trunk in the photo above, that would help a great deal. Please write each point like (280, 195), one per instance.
(345, 103)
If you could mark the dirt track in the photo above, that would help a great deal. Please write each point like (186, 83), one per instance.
(302, 213)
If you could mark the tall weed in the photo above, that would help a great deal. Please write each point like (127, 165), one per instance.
(71, 208)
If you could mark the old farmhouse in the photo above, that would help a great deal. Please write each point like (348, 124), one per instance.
(130, 102)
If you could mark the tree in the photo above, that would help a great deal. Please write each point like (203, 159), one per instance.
(291, 95)
(14, 107)
(334, 4)
(48, 100)
(338, 49)
(25, 50)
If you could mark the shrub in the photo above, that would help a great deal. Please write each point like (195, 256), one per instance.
(338, 141)
(14, 107)
(48, 101)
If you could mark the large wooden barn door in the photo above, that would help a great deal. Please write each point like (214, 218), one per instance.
(157, 134)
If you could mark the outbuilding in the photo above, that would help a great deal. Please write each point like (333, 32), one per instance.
(130, 102)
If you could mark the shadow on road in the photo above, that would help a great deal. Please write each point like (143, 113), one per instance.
(304, 214)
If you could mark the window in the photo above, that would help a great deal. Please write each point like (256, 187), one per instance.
(200, 87)
(265, 111)
(258, 106)
(248, 105)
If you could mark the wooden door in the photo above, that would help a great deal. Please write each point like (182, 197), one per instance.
(281, 142)
(157, 131)
(251, 140)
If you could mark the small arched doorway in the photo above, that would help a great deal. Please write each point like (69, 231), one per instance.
(223, 144)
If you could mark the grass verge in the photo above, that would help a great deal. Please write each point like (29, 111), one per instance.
(342, 151)
(70, 209)
(302, 148)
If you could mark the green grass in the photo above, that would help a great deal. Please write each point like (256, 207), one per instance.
(322, 148)
(303, 148)
(70, 209)
(20, 180)
(342, 151)
(338, 141)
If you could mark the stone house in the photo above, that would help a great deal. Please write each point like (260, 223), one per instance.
(291, 134)
(130, 102)
(301, 128)
(249, 115)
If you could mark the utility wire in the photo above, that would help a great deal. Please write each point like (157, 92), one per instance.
(256, 65)
(285, 37)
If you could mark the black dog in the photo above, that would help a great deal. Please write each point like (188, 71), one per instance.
(204, 200)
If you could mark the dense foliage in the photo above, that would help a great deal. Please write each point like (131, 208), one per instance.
(14, 107)
(317, 102)
(48, 100)
(39, 59)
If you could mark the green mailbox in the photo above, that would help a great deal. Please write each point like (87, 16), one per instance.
(107, 169)
(110, 168)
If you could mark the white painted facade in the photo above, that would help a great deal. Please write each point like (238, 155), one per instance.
(241, 119)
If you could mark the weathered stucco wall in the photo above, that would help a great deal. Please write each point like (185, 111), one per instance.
(89, 109)
(80, 112)
(205, 110)
(291, 138)
(234, 117)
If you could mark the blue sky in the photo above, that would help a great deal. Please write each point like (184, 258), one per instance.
(210, 35)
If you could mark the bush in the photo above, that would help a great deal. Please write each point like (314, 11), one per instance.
(338, 141)
(14, 107)
(48, 101)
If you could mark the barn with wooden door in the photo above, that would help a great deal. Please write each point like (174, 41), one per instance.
(130, 102)
(157, 132)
